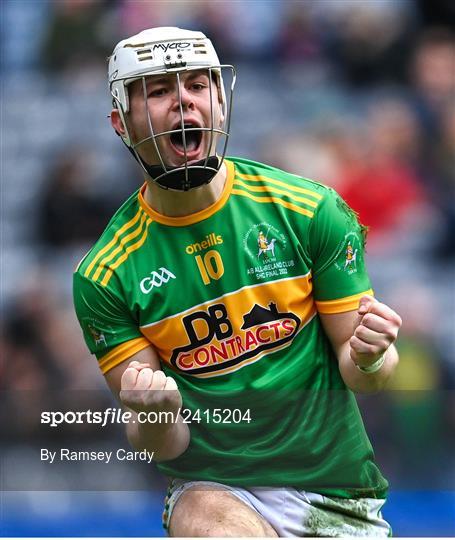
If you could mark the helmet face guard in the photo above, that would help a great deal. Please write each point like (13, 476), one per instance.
(174, 52)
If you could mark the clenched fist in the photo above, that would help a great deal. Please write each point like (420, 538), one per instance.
(376, 329)
(145, 390)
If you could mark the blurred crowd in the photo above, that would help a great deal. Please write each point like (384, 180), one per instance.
(357, 95)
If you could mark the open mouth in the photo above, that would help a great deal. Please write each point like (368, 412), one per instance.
(193, 139)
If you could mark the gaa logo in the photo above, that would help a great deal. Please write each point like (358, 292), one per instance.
(156, 279)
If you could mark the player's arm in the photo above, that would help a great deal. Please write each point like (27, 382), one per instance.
(131, 366)
(363, 341)
(142, 387)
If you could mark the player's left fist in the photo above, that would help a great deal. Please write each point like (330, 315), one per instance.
(376, 329)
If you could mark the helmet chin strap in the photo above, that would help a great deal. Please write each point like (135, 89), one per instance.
(184, 177)
(198, 174)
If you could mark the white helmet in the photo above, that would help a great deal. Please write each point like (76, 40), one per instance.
(169, 50)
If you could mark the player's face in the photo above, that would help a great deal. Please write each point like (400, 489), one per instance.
(161, 106)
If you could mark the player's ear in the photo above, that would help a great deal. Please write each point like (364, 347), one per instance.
(117, 123)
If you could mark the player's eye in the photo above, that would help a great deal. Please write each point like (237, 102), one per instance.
(157, 92)
(198, 86)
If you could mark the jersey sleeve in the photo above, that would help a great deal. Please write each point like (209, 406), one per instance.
(109, 329)
(337, 250)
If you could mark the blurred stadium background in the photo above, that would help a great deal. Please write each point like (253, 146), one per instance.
(357, 94)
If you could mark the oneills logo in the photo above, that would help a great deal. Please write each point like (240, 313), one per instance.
(215, 344)
(210, 240)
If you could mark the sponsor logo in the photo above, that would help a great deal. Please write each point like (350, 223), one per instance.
(177, 45)
(215, 344)
(156, 279)
(266, 247)
(210, 240)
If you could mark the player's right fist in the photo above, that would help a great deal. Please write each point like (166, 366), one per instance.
(143, 389)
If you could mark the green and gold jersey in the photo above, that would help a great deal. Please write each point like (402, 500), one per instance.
(229, 297)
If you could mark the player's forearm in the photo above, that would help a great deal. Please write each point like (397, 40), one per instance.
(166, 440)
(366, 383)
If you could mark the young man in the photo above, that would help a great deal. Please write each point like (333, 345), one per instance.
(225, 293)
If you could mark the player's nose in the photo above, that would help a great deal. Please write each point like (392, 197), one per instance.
(183, 96)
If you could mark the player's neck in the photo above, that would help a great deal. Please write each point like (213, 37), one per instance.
(177, 204)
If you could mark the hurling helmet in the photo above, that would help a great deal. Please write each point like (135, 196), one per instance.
(173, 51)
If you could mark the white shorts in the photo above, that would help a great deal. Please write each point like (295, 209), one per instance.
(298, 513)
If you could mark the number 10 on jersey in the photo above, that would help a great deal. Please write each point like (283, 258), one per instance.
(210, 266)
